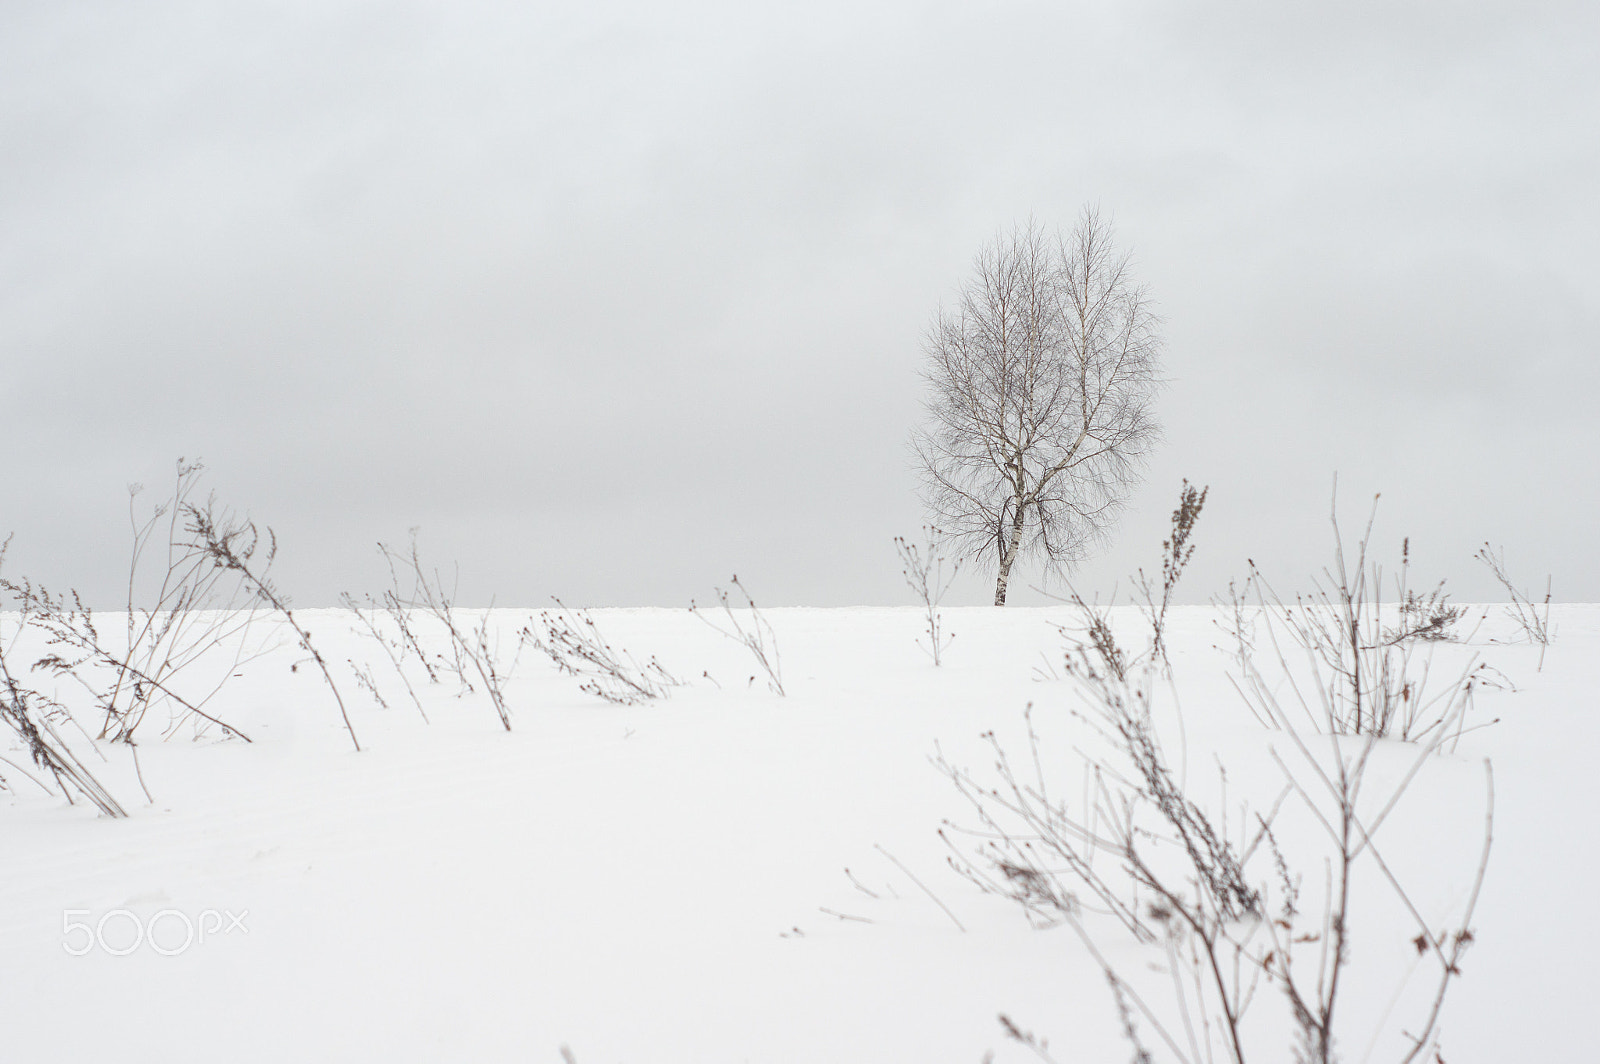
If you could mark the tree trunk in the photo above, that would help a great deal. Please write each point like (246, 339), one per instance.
(1009, 557)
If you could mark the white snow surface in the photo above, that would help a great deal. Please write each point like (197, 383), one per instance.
(648, 883)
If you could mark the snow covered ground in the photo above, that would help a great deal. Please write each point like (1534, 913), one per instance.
(667, 881)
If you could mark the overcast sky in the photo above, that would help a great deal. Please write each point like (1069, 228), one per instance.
(614, 302)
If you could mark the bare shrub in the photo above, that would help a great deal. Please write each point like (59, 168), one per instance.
(924, 571)
(1533, 618)
(34, 719)
(472, 648)
(1229, 913)
(1428, 617)
(1097, 635)
(1095, 620)
(366, 681)
(399, 612)
(573, 641)
(396, 647)
(185, 633)
(1364, 672)
(235, 545)
(388, 621)
(1232, 915)
(746, 626)
(1176, 550)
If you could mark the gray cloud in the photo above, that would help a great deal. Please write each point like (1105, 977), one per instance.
(613, 303)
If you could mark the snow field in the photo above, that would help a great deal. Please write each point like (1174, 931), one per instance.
(648, 883)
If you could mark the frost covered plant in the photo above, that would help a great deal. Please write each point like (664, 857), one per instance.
(1236, 921)
(746, 626)
(1346, 662)
(33, 719)
(182, 615)
(1533, 618)
(924, 571)
(1138, 849)
(1428, 617)
(390, 622)
(395, 647)
(1176, 550)
(1097, 636)
(573, 642)
(471, 646)
(1096, 632)
(235, 546)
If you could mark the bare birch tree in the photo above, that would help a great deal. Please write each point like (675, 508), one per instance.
(1042, 379)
